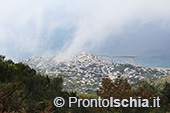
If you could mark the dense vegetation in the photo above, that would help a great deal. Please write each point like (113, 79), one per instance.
(22, 89)
(121, 89)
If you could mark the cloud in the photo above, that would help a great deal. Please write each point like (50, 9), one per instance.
(104, 19)
(28, 28)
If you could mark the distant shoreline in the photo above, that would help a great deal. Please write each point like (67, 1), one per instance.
(159, 68)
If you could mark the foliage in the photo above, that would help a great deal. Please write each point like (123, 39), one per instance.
(120, 88)
(9, 100)
(166, 92)
(22, 89)
(146, 90)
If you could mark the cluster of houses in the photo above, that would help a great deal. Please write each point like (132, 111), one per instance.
(83, 73)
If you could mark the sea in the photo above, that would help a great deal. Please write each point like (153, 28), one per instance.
(148, 62)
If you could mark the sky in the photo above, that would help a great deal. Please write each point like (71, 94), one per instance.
(32, 28)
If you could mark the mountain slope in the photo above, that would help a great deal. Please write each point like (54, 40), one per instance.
(83, 73)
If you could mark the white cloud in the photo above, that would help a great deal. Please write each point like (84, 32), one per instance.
(26, 26)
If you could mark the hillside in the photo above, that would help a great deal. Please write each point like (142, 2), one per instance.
(23, 90)
(83, 73)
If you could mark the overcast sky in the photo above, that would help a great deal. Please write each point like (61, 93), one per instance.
(113, 27)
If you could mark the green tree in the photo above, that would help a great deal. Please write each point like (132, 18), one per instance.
(166, 92)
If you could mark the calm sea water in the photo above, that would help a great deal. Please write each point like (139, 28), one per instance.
(149, 62)
(154, 62)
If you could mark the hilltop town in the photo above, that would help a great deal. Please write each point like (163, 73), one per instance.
(83, 73)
